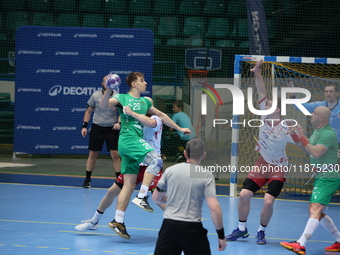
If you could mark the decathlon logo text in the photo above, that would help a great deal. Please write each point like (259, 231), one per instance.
(121, 36)
(72, 91)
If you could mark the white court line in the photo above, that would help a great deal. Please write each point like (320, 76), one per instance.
(4, 164)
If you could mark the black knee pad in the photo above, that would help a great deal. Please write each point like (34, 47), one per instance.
(119, 184)
(249, 184)
(274, 188)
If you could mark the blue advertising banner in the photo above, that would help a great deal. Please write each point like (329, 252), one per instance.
(257, 28)
(58, 69)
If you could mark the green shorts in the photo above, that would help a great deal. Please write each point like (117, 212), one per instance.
(325, 185)
(132, 150)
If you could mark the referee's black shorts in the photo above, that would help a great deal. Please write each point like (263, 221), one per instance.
(177, 236)
(100, 134)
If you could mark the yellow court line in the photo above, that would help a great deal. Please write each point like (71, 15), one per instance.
(89, 233)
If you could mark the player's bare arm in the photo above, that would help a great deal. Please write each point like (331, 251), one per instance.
(216, 216)
(145, 120)
(107, 101)
(260, 86)
(159, 197)
(166, 119)
(87, 117)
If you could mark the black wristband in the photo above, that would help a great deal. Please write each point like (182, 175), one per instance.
(159, 190)
(85, 124)
(220, 233)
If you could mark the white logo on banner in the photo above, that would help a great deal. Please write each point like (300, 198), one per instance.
(66, 53)
(55, 90)
(85, 147)
(28, 127)
(28, 90)
(121, 36)
(73, 91)
(78, 110)
(31, 52)
(120, 72)
(64, 128)
(139, 54)
(47, 71)
(46, 109)
(84, 71)
(85, 35)
(38, 146)
(110, 54)
(49, 34)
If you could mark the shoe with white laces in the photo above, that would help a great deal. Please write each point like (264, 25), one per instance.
(86, 225)
(142, 203)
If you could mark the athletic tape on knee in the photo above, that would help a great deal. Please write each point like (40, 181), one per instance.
(154, 162)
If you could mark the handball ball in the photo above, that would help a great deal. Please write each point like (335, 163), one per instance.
(113, 81)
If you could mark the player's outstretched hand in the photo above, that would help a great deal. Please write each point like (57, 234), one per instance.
(222, 244)
(257, 69)
(186, 131)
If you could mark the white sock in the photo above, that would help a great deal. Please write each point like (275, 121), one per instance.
(261, 228)
(242, 225)
(328, 224)
(143, 191)
(311, 226)
(119, 216)
(96, 217)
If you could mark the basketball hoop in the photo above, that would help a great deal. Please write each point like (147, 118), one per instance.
(198, 76)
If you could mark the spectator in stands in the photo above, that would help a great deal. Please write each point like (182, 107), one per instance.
(180, 118)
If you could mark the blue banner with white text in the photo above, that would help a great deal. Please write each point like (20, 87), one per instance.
(257, 28)
(58, 69)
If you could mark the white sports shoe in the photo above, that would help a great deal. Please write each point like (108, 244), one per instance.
(86, 225)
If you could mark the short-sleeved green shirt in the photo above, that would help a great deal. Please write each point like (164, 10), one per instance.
(131, 146)
(325, 136)
(327, 179)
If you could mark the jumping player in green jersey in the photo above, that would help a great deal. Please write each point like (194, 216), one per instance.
(322, 147)
(132, 148)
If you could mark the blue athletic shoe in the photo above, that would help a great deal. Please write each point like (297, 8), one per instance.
(261, 237)
(236, 234)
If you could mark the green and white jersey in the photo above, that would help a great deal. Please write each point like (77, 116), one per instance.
(129, 125)
(325, 136)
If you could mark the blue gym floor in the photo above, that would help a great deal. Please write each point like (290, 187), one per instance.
(40, 219)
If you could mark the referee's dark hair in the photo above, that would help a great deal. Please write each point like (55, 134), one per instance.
(195, 148)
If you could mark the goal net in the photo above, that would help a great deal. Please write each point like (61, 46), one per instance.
(309, 73)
